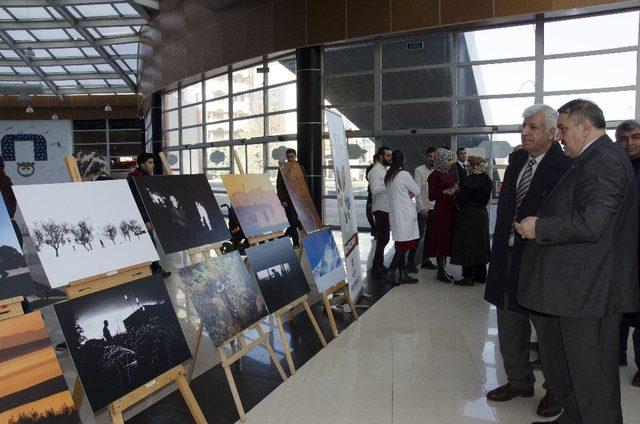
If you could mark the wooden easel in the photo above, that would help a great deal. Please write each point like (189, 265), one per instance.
(177, 374)
(166, 168)
(227, 361)
(343, 287)
(11, 307)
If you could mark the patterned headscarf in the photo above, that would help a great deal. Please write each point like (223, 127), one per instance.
(477, 165)
(443, 159)
(91, 166)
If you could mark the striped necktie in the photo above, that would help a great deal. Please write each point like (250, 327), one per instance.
(521, 192)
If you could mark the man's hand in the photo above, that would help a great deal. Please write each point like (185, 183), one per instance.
(527, 227)
(411, 195)
(148, 225)
(424, 212)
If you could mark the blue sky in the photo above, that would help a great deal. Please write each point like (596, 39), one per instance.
(7, 235)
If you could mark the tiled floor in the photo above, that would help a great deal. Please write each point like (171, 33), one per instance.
(423, 354)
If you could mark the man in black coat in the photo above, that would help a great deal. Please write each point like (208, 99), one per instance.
(524, 190)
(579, 268)
(460, 167)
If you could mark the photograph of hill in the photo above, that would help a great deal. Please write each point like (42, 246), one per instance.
(324, 258)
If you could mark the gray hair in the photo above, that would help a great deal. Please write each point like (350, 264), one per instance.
(628, 125)
(550, 114)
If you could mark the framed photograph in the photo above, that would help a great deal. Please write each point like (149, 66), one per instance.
(225, 296)
(183, 211)
(300, 197)
(324, 259)
(122, 338)
(84, 229)
(255, 203)
(15, 279)
(277, 269)
(33, 389)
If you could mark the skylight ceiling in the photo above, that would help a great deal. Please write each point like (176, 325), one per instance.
(72, 46)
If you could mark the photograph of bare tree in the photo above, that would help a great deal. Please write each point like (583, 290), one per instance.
(15, 279)
(278, 272)
(122, 338)
(183, 211)
(84, 229)
(225, 296)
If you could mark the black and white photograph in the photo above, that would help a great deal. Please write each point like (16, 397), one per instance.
(84, 229)
(15, 279)
(278, 272)
(183, 211)
(122, 338)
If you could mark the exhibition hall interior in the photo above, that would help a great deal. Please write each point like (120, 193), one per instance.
(319, 211)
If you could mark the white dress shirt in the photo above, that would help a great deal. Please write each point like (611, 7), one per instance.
(522, 171)
(379, 196)
(421, 177)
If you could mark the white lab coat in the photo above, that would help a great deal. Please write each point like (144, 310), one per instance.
(402, 215)
(379, 196)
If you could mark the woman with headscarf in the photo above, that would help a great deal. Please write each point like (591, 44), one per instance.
(442, 190)
(403, 220)
(92, 167)
(471, 228)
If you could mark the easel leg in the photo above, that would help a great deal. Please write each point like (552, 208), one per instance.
(78, 393)
(347, 296)
(187, 394)
(196, 348)
(272, 354)
(314, 323)
(116, 416)
(232, 384)
(332, 320)
(285, 346)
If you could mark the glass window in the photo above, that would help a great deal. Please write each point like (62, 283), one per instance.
(430, 49)
(191, 94)
(282, 70)
(20, 35)
(349, 58)
(255, 159)
(170, 120)
(217, 110)
(170, 139)
(191, 115)
(515, 41)
(191, 135)
(24, 13)
(217, 87)
(349, 89)
(90, 137)
(282, 98)
(500, 78)
(170, 100)
(414, 147)
(50, 34)
(617, 105)
(601, 71)
(417, 115)
(277, 151)
(283, 123)
(592, 33)
(186, 161)
(248, 128)
(472, 113)
(68, 52)
(416, 84)
(218, 132)
(248, 104)
(96, 10)
(247, 79)
(356, 117)
(218, 157)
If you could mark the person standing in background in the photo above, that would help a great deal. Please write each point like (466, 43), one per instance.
(369, 207)
(285, 200)
(424, 207)
(628, 138)
(442, 189)
(380, 208)
(471, 246)
(402, 216)
(460, 168)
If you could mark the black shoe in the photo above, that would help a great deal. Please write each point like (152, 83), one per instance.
(428, 265)
(464, 282)
(549, 406)
(406, 279)
(442, 276)
(450, 276)
(390, 277)
(507, 392)
(413, 269)
(165, 274)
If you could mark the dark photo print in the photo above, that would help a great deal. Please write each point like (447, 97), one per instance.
(278, 272)
(183, 211)
(15, 279)
(121, 338)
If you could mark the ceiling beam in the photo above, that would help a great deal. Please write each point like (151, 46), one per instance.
(61, 77)
(65, 61)
(62, 44)
(101, 51)
(139, 9)
(96, 90)
(26, 62)
(85, 23)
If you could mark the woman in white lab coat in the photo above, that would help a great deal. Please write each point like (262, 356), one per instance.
(401, 189)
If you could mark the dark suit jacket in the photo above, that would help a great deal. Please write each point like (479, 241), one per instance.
(549, 171)
(584, 262)
(459, 172)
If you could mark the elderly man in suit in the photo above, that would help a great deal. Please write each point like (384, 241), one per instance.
(579, 268)
(532, 173)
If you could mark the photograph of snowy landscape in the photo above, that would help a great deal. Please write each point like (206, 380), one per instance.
(324, 258)
(15, 279)
(77, 234)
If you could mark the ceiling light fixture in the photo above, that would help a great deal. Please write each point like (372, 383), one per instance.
(29, 109)
(108, 108)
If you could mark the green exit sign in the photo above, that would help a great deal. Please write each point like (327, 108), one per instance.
(416, 45)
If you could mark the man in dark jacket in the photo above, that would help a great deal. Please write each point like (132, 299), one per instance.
(287, 204)
(145, 168)
(628, 138)
(580, 266)
(531, 175)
